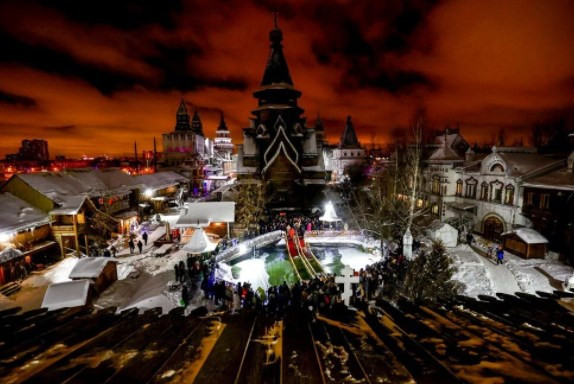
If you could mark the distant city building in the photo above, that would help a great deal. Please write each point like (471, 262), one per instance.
(31, 150)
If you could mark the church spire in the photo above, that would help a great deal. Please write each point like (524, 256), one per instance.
(349, 137)
(276, 70)
(222, 126)
(182, 117)
(196, 124)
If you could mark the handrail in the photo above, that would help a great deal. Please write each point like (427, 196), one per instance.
(313, 255)
(303, 256)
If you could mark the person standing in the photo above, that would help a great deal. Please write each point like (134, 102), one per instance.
(140, 246)
(144, 237)
(184, 296)
(176, 268)
(499, 255)
(132, 245)
(113, 250)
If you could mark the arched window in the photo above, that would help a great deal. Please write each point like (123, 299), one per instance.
(497, 168)
(459, 187)
(484, 191)
(509, 198)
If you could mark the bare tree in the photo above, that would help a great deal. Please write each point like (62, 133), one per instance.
(251, 202)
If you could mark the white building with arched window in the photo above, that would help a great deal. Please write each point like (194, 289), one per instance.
(487, 191)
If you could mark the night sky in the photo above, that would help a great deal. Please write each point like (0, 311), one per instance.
(93, 76)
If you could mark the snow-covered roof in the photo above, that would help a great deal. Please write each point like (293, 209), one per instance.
(202, 214)
(528, 235)
(68, 205)
(560, 180)
(18, 214)
(67, 294)
(74, 182)
(89, 267)
(160, 180)
(8, 254)
(522, 164)
(444, 153)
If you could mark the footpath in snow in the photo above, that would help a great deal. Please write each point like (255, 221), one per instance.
(481, 276)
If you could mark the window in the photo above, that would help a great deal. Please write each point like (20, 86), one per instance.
(544, 201)
(484, 191)
(509, 198)
(443, 190)
(435, 185)
(471, 188)
(459, 187)
(530, 198)
(435, 209)
(497, 168)
(496, 190)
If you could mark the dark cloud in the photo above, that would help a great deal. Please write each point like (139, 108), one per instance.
(125, 14)
(64, 129)
(13, 99)
(94, 71)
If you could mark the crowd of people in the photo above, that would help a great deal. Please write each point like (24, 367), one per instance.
(319, 295)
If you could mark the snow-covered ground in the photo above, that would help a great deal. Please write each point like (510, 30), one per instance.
(350, 256)
(145, 280)
(253, 271)
(481, 275)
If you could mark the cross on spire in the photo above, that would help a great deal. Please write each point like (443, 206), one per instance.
(275, 13)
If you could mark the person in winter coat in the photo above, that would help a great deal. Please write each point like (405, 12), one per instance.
(144, 237)
(132, 245)
(176, 268)
(140, 246)
(499, 255)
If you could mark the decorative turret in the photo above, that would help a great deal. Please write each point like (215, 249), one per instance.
(222, 128)
(349, 137)
(222, 144)
(196, 125)
(182, 117)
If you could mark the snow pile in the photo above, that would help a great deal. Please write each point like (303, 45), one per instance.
(470, 271)
(254, 272)
(58, 273)
(67, 294)
(152, 293)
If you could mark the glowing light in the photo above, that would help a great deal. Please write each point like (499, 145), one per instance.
(148, 193)
(4, 237)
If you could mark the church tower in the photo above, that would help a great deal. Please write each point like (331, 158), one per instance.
(277, 146)
(223, 145)
(187, 141)
(348, 157)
